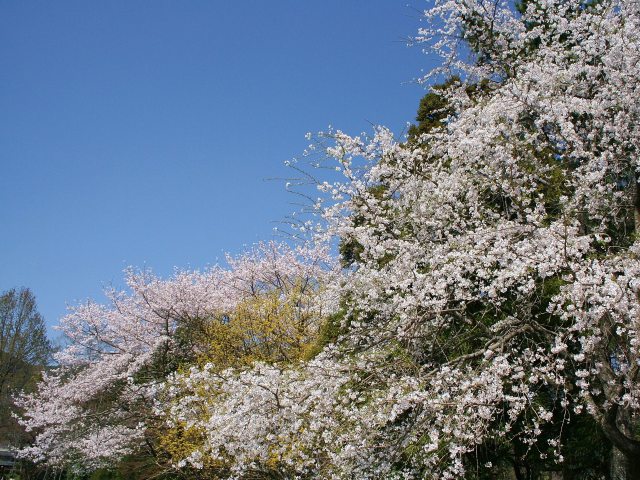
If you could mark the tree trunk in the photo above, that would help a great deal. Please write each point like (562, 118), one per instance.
(632, 467)
(624, 467)
(618, 427)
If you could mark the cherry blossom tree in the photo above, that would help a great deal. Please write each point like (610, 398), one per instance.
(499, 253)
(97, 405)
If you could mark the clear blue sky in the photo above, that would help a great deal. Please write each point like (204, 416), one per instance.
(142, 132)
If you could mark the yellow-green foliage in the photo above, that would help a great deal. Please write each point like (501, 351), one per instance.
(277, 326)
(269, 327)
(180, 441)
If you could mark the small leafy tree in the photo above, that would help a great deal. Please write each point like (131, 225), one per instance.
(24, 352)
